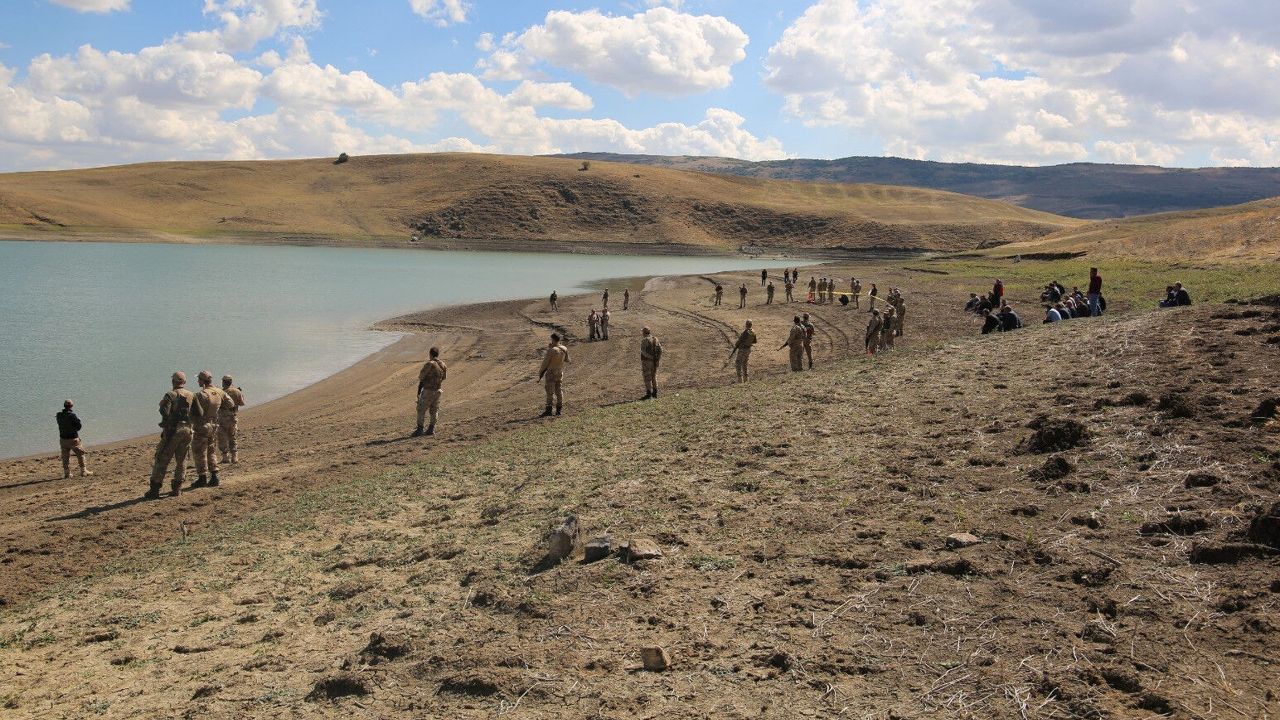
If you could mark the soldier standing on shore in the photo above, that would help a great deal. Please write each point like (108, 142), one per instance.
(873, 332)
(626, 298)
(789, 287)
(764, 276)
(430, 378)
(69, 439)
(886, 329)
(605, 298)
(742, 296)
(822, 290)
(552, 373)
(204, 443)
(855, 289)
(650, 355)
(808, 339)
(768, 294)
(604, 324)
(741, 351)
(813, 288)
(555, 300)
(795, 343)
(719, 293)
(227, 419)
(175, 436)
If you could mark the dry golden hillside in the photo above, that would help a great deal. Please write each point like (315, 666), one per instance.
(503, 198)
(1239, 232)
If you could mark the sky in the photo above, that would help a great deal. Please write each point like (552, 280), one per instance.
(1185, 83)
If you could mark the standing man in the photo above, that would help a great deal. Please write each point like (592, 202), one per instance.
(873, 332)
(899, 316)
(795, 342)
(604, 324)
(204, 443)
(768, 294)
(227, 419)
(430, 378)
(813, 288)
(789, 287)
(741, 351)
(886, 329)
(605, 298)
(552, 373)
(742, 296)
(650, 354)
(69, 440)
(626, 298)
(764, 276)
(822, 290)
(1095, 293)
(719, 293)
(175, 436)
(855, 287)
(808, 339)
(555, 300)
(593, 325)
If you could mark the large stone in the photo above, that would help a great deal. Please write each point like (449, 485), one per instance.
(962, 540)
(641, 549)
(655, 659)
(563, 540)
(597, 549)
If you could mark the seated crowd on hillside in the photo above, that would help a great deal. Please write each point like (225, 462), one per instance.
(1059, 304)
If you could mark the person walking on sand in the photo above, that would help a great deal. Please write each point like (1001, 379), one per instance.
(552, 373)
(789, 287)
(719, 294)
(873, 332)
(764, 277)
(795, 344)
(768, 294)
(593, 326)
(204, 441)
(650, 355)
(555, 300)
(228, 420)
(741, 351)
(809, 329)
(742, 296)
(430, 379)
(175, 436)
(605, 299)
(69, 439)
(604, 324)
(626, 298)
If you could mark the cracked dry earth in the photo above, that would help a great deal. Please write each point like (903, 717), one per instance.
(1119, 476)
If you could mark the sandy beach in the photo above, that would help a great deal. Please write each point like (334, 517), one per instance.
(358, 421)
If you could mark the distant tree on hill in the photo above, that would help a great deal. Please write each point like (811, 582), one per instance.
(586, 165)
(342, 157)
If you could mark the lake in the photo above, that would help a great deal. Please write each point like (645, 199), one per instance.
(106, 323)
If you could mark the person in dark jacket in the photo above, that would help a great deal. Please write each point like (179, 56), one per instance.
(1009, 319)
(69, 439)
(1180, 295)
(990, 323)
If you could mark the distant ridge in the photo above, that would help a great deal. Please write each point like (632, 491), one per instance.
(1081, 190)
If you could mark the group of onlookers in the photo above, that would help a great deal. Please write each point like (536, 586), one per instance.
(1060, 304)
(1175, 296)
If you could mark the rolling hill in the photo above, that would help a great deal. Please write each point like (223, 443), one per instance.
(519, 201)
(1240, 232)
(1081, 190)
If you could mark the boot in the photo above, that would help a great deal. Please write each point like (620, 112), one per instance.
(417, 432)
(66, 474)
(224, 459)
(174, 491)
(654, 394)
(213, 479)
(547, 412)
(200, 482)
(235, 457)
(431, 429)
(557, 410)
(152, 494)
(85, 473)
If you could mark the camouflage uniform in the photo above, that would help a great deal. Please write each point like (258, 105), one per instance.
(175, 438)
(552, 374)
(228, 420)
(430, 379)
(204, 442)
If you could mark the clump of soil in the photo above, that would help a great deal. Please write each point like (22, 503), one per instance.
(1196, 480)
(1176, 405)
(1054, 468)
(383, 647)
(1265, 527)
(473, 685)
(333, 687)
(1055, 435)
(1265, 411)
(1176, 524)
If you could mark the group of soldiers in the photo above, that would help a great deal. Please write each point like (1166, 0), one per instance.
(202, 423)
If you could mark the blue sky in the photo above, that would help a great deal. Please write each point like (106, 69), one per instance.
(89, 82)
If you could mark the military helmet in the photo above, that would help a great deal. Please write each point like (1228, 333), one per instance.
(227, 380)
(179, 378)
(204, 377)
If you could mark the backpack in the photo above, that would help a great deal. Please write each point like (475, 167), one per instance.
(179, 409)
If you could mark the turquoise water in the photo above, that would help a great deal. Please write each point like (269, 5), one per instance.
(106, 323)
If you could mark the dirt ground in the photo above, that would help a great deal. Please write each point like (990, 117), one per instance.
(1118, 477)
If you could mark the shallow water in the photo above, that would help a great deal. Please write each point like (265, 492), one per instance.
(106, 323)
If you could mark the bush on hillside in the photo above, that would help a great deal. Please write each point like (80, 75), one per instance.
(342, 157)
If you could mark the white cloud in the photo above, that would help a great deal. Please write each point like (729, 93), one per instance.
(485, 43)
(658, 51)
(560, 95)
(246, 23)
(96, 6)
(441, 12)
(1038, 80)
